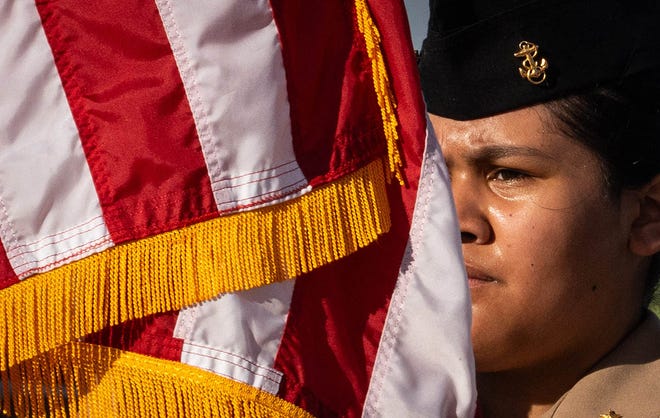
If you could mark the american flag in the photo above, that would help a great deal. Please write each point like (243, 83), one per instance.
(229, 208)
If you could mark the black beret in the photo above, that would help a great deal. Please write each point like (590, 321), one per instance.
(483, 57)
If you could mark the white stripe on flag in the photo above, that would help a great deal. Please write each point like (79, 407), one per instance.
(238, 334)
(424, 366)
(231, 64)
(49, 211)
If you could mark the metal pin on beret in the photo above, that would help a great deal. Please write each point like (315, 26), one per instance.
(483, 57)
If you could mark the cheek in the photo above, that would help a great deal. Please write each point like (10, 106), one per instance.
(548, 256)
(523, 232)
(559, 263)
(539, 254)
(552, 236)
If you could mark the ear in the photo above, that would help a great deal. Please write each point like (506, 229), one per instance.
(645, 232)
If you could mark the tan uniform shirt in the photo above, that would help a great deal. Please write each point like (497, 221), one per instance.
(626, 381)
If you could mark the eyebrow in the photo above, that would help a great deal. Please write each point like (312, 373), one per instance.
(494, 152)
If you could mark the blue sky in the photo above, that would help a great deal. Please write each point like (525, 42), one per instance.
(418, 15)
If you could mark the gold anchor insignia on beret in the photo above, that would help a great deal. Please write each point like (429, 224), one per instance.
(611, 414)
(531, 70)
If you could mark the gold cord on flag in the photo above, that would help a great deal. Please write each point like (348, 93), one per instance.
(386, 100)
(80, 379)
(186, 266)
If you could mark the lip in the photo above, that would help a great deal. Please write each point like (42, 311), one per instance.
(477, 277)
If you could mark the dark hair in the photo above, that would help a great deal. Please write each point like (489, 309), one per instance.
(621, 123)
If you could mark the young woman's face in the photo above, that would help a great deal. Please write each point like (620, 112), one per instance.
(545, 247)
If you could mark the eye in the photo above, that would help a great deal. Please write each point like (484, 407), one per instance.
(507, 175)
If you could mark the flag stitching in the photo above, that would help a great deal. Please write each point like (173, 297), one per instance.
(76, 228)
(398, 302)
(182, 60)
(82, 249)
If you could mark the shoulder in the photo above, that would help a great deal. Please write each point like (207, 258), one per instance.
(626, 381)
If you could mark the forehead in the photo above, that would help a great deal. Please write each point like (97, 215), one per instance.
(528, 132)
(528, 127)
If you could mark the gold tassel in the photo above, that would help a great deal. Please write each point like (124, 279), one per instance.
(179, 268)
(85, 380)
(386, 100)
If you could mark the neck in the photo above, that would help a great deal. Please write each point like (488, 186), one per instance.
(522, 394)
(532, 391)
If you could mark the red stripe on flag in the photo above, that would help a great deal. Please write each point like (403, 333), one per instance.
(151, 336)
(336, 123)
(7, 275)
(132, 113)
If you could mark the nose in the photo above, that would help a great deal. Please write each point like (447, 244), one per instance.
(471, 209)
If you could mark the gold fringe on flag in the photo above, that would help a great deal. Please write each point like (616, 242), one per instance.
(85, 380)
(386, 100)
(182, 267)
